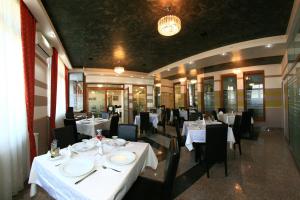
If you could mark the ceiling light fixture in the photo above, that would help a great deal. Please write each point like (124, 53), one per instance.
(193, 81)
(269, 45)
(119, 70)
(169, 25)
(224, 54)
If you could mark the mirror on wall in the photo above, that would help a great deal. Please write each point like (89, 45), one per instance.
(208, 94)
(229, 92)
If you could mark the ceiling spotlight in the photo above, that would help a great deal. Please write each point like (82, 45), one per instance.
(51, 34)
(269, 45)
(191, 62)
(168, 69)
(224, 54)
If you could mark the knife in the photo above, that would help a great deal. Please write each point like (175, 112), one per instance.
(85, 176)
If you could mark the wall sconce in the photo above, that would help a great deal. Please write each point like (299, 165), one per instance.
(193, 81)
(158, 84)
(181, 80)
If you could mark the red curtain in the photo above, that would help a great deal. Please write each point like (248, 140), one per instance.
(28, 27)
(53, 91)
(67, 87)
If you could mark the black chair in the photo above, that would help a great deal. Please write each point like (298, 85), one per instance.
(176, 115)
(246, 130)
(168, 115)
(128, 132)
(113, 129)
(180, 138)
(148, 189)
(64, 136)
(78, 137)
(236, 132)
(214, 114)
(145, 124)
(222, 109)
(193, 116)
(216, 146)
(69, 114)
(162, 123)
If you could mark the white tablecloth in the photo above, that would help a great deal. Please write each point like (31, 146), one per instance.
(195, 132)
(89, 127)
(105, 184)
(153, 118)
(228, 118)
(182, 113)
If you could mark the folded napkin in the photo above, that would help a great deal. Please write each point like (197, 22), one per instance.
(221, 113)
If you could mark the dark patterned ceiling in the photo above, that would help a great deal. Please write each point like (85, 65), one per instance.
(92, 30)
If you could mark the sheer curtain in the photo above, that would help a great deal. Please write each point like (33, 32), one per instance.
(14, 152)
(61, 94)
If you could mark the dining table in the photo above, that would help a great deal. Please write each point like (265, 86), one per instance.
(90, 126)
(89, 174)
(195, 131)
(228, 118)
(153, 118)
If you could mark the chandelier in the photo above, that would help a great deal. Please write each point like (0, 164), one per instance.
(169, 25)
(119, 70)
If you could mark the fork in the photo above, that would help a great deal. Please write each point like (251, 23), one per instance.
(104, 167)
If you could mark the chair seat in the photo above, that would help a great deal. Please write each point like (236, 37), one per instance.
(144, 187)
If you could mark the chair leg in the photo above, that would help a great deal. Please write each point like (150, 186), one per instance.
(225, 164)
(207, 169)
(240, 149)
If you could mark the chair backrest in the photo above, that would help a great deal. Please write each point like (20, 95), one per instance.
(69, 114)
(222, 109)
(163, 117)
(176, 113)
(168, 114)
(153, 110)
(114, 122)
(72, 122)
(214, 114)
(144, 120)
(251, 111)
(128, 132)
(193, 116)
(246, 121)
(64, 136)
(200, 114)
(216, 142)
(236, 128)
(171, 165)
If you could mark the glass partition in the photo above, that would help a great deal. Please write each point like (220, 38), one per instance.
(96, 101)
(229, 92)
(76, 91)
(193, 101)
(179, 96)
(209, 96)
(139, 98)
(254, 93)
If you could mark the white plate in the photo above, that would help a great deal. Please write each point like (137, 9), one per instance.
(76, 167)
(83, 146)
(122, 157)
(120, 142)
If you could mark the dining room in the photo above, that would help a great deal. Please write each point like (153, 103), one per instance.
(149, 99)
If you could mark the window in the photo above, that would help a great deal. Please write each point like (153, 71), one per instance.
(139, 98)
(229, 92)
(179, 96)
(76, 91)
(254, 93)
(208, 94)
(192, 94)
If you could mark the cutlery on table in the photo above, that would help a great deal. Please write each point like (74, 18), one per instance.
(104, 167)
(85, 176)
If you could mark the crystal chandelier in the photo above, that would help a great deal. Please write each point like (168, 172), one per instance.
(119, 70)
(169, 25)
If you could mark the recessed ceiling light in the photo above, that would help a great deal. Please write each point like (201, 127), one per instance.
(191, 62)
(168, 69)
(224, 54)
(269, 45)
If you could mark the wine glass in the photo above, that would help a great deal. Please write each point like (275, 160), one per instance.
(99, 135)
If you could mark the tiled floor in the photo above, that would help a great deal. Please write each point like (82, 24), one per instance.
(266, 170)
